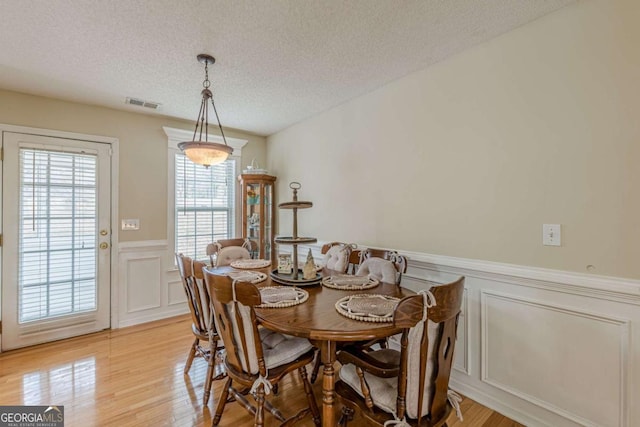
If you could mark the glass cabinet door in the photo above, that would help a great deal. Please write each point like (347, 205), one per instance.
(258, 214)
(268, 232)
(253, 217)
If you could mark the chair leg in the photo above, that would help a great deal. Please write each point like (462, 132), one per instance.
(259, 420)
(209, 379)
(192, 354)
(316, 368)
(310, 397)
(222, 402)
(347, 415)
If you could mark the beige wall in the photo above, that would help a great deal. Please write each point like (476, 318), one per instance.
(470, 157)
(143, 151)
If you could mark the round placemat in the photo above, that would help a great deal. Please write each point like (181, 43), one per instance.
(247, 276)
(248, 264)
(368, 307)
(350, 282)
(282, 296)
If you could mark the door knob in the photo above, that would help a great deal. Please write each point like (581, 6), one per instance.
(103, 232)
(104, 245)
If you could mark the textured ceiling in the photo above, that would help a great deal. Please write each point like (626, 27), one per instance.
(278, 61)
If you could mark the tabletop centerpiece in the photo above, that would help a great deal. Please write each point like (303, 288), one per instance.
(297, 276)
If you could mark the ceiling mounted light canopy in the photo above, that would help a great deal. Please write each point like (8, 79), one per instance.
(200, 150)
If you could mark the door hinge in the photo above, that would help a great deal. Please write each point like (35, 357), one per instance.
(1, 154)
(0, 240)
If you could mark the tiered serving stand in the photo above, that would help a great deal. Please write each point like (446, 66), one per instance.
(296, 277)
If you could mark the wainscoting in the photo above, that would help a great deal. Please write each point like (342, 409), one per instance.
(543, 347)
(150, 287)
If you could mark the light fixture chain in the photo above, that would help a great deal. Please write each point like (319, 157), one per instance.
(206, 83)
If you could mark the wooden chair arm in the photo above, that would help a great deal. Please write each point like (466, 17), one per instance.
(368, 363)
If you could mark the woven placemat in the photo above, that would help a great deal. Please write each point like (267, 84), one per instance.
(368, 307)
(350, 282)
(248, 264)
(282, 296)
(247, 276)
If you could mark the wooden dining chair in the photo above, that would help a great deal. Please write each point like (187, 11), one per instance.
(256, 359)
(399, 262)
(411, 385)
(340, 257)
(213, 249)
(231, 253)
(207, 342)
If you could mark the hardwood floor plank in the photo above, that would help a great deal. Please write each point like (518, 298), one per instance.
(134, 377)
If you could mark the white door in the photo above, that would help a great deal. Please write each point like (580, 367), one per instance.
(57, 238)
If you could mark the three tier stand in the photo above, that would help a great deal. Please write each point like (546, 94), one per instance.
(296, 277)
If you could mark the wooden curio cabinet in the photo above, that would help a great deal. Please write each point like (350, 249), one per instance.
(258, 213)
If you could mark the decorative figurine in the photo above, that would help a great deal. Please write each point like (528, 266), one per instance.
(309, 269)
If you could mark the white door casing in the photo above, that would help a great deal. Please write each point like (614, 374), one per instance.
(22, 327)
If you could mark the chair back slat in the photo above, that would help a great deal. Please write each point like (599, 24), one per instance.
(236, 322)
(197, 296)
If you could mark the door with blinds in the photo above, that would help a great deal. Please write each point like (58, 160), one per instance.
(56, 253)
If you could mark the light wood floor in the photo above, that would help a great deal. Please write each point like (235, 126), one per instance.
(134, 377)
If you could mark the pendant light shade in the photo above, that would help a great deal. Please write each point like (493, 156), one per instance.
(200, 150)
(205, 153)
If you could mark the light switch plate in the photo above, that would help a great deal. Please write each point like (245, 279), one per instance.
(551, 234)
(130, 224)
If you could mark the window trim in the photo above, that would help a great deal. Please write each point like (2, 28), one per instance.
(174, 137)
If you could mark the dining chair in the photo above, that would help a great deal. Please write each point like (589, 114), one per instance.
(256, 358)
(399, 261)
(410, 386)
(339, 256)
(231, 253)
(214, 248)
(207, 342)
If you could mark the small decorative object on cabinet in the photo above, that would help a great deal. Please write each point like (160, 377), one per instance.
(297, 276)
(258, 213)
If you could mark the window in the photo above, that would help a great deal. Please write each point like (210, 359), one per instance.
(57, 234)
(204, 205)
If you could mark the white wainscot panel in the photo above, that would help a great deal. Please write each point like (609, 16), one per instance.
(143, 278)
(570, 362)
(176, 292)
(147, 290)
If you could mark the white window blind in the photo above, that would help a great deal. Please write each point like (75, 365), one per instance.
(57, 234)
(204, 205)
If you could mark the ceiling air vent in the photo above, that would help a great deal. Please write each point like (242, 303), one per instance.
(142, 103)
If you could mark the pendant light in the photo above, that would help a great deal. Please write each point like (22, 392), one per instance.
(200, 150)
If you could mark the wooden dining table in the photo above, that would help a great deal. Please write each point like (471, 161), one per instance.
(317, 320)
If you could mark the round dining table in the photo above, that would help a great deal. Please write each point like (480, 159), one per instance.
(318, 320)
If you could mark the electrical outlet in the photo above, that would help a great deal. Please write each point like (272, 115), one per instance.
(130, 224)
(551, 234)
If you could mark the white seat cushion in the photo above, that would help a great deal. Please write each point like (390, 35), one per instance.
(384, 391)
(229, 254)
(337, 258)
(279, 349)
(381, 269)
